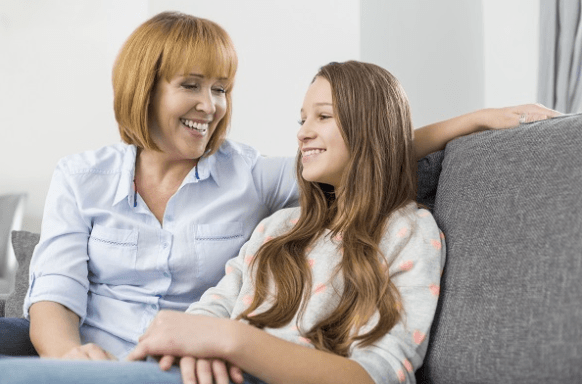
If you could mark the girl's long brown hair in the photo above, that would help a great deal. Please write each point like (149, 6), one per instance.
(372, 112)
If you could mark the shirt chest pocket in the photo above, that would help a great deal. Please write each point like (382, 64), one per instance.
(215, 244)
(112, 255)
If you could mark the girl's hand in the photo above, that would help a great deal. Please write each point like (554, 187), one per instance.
(203, 371)
(180, 334)
(501, 118)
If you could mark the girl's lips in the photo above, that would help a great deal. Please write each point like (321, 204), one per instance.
(309, 155)
(312, 151)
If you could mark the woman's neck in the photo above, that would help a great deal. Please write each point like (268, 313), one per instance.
(157, 167)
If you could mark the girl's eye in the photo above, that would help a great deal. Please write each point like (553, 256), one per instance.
(301, 122)
(219, 90)
(323, 117)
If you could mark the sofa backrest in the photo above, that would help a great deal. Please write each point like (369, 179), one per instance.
(510, 205)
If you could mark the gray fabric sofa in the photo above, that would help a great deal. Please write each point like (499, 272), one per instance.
(510, 205)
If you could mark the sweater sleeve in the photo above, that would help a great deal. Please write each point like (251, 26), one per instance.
(415, 249)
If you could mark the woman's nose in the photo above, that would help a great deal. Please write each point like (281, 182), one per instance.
(206, 103)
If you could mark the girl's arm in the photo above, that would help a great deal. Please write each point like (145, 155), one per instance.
(434, 137)
(262, 355)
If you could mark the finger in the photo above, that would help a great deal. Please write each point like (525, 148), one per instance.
(138, 353)
(188, 369)
(543, 110)
(95, 352)
(219, 371)
(203, 371)
(75, 354)
(166, 362)
(236, 374)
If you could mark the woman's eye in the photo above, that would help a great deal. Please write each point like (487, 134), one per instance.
(323, 117)
(301, 121)
(190, 86)
(219, 90)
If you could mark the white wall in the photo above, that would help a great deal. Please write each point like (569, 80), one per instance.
(435, 49)
(57, 55)
(452, 56)
(511, 37)
(455, 56)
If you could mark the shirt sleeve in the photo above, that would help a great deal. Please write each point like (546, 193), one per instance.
(415, 249)
(276, 182)
(58, 268)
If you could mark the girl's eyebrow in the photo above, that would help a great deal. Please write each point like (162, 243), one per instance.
(319, 104)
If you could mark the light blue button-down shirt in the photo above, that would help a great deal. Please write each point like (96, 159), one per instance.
(107, 258)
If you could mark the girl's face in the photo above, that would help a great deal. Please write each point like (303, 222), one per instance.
(184, 113)
(324, 152)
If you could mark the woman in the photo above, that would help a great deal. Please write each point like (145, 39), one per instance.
(134, 228)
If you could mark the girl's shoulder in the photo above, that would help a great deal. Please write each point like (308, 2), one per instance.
(410, 221)
(279, 222)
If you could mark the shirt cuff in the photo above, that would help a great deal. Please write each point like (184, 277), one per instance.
(59, 289)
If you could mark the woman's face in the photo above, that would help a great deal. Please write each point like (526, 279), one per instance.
(184, 113)
(324, 152)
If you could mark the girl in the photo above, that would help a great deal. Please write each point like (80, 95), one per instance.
(344, 288)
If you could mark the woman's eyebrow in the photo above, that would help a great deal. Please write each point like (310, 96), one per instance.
(203, 77)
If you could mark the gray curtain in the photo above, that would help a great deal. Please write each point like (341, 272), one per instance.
(560, 76)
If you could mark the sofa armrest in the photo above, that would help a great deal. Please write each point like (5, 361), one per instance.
(2, 304)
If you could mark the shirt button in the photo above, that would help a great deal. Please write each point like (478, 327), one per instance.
(166, 274)
(165, 245)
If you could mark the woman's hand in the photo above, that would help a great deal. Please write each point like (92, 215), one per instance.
(501, 118)
(203, 371)
(88, 352)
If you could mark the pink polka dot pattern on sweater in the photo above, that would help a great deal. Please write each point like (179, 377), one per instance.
(406, 265)
(401, 376)
(435, 289)
(418, 337)
(402, 232)
(436, 244)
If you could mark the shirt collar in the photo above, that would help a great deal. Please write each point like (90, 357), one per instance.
(205, 168)
(125, 187)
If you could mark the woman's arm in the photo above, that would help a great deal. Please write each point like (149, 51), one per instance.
(54, 329)
(54, 332)
(434, 137)
(262, 355)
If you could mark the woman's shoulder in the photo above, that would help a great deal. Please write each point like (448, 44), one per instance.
(108, 159)
(233, 149)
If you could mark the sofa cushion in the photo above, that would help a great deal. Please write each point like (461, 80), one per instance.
(429, 169)
(510, 205)
(11, 214)
(23, 243)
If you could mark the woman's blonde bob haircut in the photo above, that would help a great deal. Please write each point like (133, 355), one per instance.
(168, 44)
